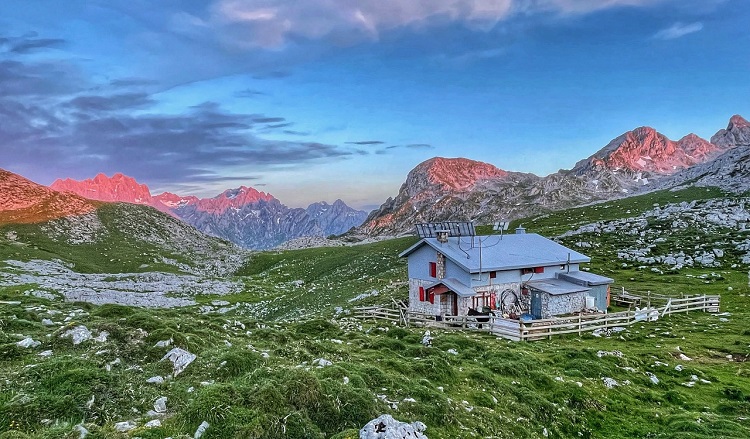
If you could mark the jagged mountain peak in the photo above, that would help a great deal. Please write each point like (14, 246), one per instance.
(738, 121)
(736, 134)
(119, 187)
(456, 173)
(646, 150)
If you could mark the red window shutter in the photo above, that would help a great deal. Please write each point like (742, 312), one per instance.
(433, 269)
(432, 297)
(421, 294)
(538, 269)
(493, 274)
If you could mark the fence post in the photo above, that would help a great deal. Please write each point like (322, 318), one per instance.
(579, 324)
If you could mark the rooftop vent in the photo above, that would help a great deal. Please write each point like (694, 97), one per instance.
(442, 236)
(520, 230)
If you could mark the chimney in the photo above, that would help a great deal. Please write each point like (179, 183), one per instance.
(520, 230)
(442, 236)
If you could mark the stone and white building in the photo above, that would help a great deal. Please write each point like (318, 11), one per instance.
(515, 274)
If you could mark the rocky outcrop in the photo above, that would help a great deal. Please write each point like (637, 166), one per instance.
(23, 201)
(736, 134)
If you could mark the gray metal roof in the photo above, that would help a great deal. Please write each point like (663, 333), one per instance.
(585, 278)
(556, 286)
(513, 251)
(456, 286)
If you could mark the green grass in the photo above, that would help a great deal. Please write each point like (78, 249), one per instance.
(260, 381)
(299, 283)
(121, 246)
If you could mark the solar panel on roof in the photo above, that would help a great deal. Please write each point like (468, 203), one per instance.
(454, 228)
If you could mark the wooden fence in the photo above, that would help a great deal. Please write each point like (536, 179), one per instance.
(520, 330)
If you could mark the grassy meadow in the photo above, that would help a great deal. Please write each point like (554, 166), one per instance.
(258, 370)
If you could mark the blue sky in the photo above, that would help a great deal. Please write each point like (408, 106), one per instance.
(327, 99)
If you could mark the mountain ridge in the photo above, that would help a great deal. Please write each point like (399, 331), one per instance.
(628, 164)
(243, 215)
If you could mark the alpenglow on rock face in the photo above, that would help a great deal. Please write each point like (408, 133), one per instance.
(458, 189)
(23, 201)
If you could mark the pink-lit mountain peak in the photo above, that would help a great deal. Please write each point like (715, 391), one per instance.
(232, 198)
(119, 187)
(645, 149)
(460, 173)
(173, 200)
(738, 121)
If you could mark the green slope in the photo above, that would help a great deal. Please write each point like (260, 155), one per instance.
(260, 381)
(117, 238)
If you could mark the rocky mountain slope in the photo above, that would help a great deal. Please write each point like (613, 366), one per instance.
(23, 201)
(244, 215)
(730, 171)
(459, 189)
(37, 222)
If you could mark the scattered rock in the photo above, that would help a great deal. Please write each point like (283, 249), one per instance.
(427, 339)
(155, 380)
(385, 427)
(180, 358)
(652, 377)
(163, 343)
(452, 351)
(79, 334)
(102, 337)
(28, 342)
(609, 383)
(45, 354)
(201, 429)
(153, 423)
(47, 322)
(82, 431)
(125, 426)
(160, 405)
(321, 362)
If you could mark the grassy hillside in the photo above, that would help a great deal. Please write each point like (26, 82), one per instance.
(256, 374)
(116, 238)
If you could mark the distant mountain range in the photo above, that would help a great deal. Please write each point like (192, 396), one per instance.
(442, 189)
(438, 189)
(245, 216)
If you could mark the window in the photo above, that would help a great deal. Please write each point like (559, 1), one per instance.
(433, 269)
(493, 274)
(527, 270)
(538, 269)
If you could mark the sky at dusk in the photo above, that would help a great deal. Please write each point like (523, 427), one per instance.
(324, 99)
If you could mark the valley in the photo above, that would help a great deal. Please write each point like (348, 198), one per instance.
(278, 337)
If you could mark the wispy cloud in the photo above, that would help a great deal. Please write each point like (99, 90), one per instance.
(48, 109)
(366, 142)
(678, 30)
(273, 23)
